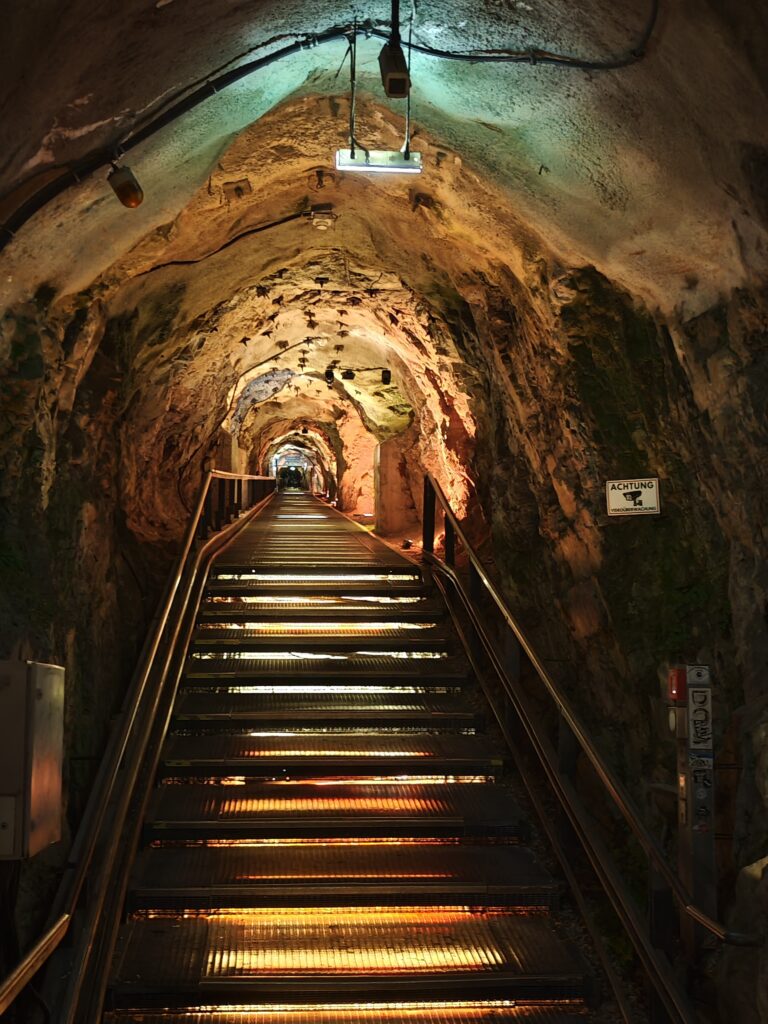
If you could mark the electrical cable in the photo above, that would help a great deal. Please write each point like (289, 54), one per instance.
(352, 89)
(407, 146)
(103, 156)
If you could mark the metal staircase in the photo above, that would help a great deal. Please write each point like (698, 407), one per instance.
(331, 838)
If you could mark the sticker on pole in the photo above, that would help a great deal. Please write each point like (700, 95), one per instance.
(633, 497)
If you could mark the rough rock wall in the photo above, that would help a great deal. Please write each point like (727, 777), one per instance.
(584, 385)
(75, 588)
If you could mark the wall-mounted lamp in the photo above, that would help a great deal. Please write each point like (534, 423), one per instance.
(126, 186)
(348, 375)
(386, 376)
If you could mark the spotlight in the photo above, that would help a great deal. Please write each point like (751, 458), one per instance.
(348, 375)
(394, 70)
(386, 376)
(125, 186)
(329, 377)
(305, 430)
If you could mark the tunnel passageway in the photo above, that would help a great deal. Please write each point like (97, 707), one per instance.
(572, 291)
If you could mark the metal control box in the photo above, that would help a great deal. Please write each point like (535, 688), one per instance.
(31, 752)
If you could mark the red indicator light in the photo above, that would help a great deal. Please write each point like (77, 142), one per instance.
(677, 689)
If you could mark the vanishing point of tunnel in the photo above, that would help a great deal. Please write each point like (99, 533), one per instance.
(470, 300)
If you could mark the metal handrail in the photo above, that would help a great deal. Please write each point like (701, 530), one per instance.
(568, 797)
(619, 796)
(83, 849)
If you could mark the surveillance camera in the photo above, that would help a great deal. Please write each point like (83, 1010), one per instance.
(394, 71)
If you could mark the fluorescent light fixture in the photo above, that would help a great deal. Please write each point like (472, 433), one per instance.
(378, 161)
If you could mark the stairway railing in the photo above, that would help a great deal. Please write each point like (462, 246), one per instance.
(221, 500)
(572, 732)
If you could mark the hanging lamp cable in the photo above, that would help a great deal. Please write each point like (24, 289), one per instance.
(353, 143)
(407, 146)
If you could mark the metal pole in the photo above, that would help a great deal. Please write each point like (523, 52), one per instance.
(428, 517)
(450, 542)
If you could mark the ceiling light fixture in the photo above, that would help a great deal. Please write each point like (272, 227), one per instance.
(126, 186)
(348, 375)
(378, 161)
(329, 377)
(382, 161)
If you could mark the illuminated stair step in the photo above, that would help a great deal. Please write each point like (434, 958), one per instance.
(485, 1012)
(253, 628)
(425, 950)
(308, 573)
(311, 587)
(342, 608)
(412, 637)
(433, 711)
(275, 810)
(207, 877)
(334, 667)
(328, 754)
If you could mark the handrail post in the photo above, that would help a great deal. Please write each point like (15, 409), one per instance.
(450, 542)
(663, 931)
(428, 517)
(568, 750)
(218, 515)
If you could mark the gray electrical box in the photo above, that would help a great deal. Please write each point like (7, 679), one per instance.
(31, 751)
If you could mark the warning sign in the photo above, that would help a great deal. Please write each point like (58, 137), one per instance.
(633, 497)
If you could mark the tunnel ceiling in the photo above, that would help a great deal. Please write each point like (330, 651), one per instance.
(253, 267)
(653, 173)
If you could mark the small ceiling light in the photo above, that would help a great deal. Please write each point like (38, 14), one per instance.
(348, 375)
(386, 376)
(322, 217)
(329, 377)
(125, 186)
(305, 430)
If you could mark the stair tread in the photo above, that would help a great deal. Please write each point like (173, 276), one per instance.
(245, 641)
(417, 751)
(489, 1011)
(275, 809)
(341, 608)
(341, 668)
(306, 707)
(287, 631)
(346, 950)
(213, 873)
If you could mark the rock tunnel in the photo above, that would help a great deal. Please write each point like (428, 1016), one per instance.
(573, 290)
